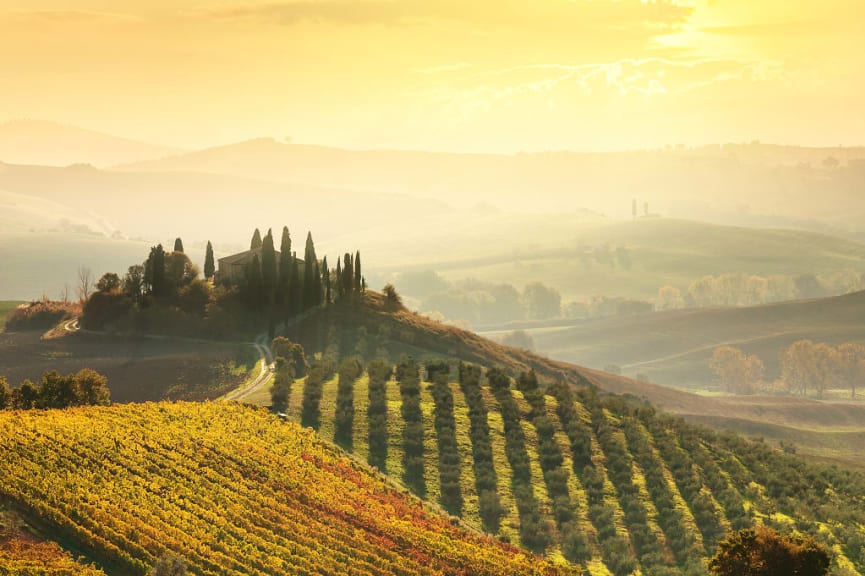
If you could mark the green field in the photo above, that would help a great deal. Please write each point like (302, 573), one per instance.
(578, 256)
(673, 348)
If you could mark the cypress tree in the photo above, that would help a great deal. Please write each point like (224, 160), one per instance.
(178, 245)
(268, 267)
(325, 276)
(357, 274)
(156, 269)
(310, 287)
(338, 277)
(256, 240)
(209, 268)
(254, 281)
(296, 286)
(284, 282)
(347, 274)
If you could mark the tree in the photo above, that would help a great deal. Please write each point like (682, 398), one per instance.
(178, 245)
(765, 552)
(255, 243)
(805, 364)
(284, 266)
(296, 300)
(25, 396)
(338, 275)
(168, 565)
(357, 274)
(254, 281)
(133, 282)
(311, 285)
(541, 301)
(92, 388)
(85, 282)
(736, 372)
(347, 274)
(109, 282)
(669, 298)
(209, 267)
(391, 296)
(325, 277)
(851, 365)
(519, 339)
(268, 267)
(282, 381)
(292, 352)
(5, 394)
(154, 273)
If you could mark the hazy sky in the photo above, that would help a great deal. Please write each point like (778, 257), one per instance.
(497, 75)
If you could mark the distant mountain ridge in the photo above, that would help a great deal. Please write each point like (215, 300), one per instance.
(54, 144)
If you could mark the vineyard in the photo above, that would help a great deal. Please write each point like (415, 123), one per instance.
(230, 489)
(600, 482)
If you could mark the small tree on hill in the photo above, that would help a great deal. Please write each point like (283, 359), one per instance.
(209, 267)
(109, 282)
(736, 372)
(282, 381)
(765, 552)
(357, 274)
(178, 245)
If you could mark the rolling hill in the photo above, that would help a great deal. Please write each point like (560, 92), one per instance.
(760, 185)
(55, 144)
(674, 347)
(594, 479)
(228, 488)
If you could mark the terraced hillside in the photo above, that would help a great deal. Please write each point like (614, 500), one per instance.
(228, 488)
(562, 471)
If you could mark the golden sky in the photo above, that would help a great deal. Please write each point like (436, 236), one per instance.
(464, 75)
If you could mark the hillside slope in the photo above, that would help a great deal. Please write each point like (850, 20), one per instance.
(230, 489)
(825, 429)
(595, 480)
(674, 347)
(55, 144)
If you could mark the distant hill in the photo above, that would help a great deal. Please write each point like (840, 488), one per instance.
(674, 347)
(756, 185)
(54, 219)
(55, 144)
(227, 488)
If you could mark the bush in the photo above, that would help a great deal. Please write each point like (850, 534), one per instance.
(40, 315)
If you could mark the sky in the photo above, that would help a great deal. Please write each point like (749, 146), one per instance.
(445, 75)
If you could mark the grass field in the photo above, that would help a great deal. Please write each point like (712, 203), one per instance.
(673, 348)
(579, 258)
(138, 369)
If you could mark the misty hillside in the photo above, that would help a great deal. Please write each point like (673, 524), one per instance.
(55, 144)
(674, 346)
(749, 184)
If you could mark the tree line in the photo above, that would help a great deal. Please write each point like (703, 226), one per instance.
(166, 292)
(84, 388)
(806, 367)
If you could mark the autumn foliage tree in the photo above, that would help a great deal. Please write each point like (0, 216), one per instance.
(736, 372)
(765, 552)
